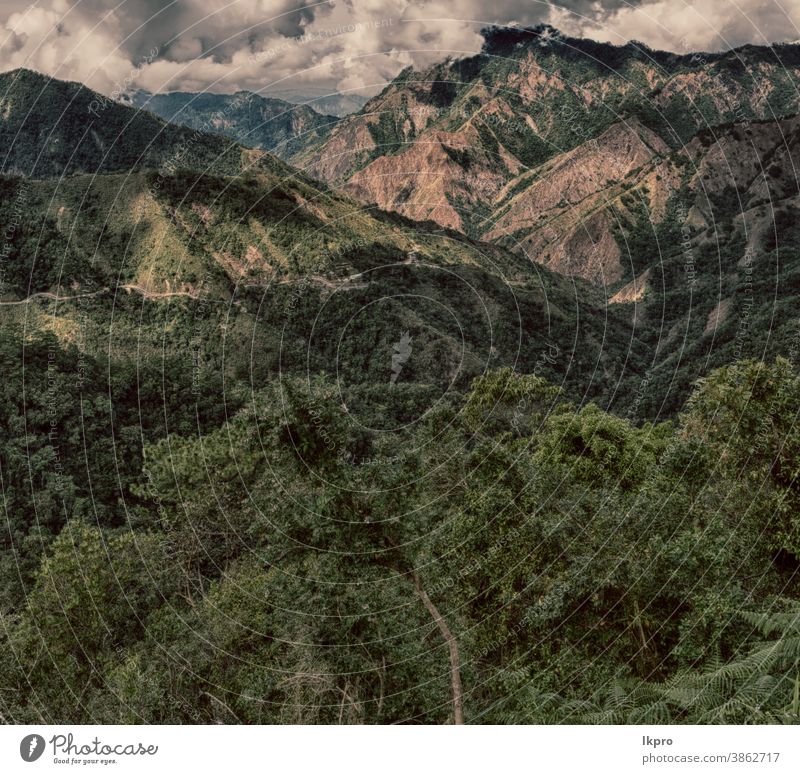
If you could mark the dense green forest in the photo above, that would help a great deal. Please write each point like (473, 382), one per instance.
(505, 556)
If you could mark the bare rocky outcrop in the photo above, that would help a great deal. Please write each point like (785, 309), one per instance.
(432, 180)
(633, 292)
(564, 219)
(717, 315)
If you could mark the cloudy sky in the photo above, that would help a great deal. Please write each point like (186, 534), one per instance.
(336, 45)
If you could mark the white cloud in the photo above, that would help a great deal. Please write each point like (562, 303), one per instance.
(225, 45)
(699, 25)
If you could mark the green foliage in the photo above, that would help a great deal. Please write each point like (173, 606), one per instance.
(588, 570)
(92, 597)
(54, 399)
(747, 413)
(387, 134)
(87, 132)
(760, 685)
(504, 400)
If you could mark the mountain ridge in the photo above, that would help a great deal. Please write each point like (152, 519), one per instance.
(477, 128)
(260, 235)
(53, 128)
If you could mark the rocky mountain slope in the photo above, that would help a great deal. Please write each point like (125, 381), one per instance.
(517, 137)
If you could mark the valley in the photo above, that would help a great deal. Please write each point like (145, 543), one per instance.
(477, 404)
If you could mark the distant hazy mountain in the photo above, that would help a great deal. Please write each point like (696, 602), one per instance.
(682, 229)
(269, 124)
(334, 104)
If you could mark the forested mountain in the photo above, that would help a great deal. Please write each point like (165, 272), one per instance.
(273, 455)
(50, 128)
(247, 247)
(258, 122)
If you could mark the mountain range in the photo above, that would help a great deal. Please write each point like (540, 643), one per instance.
(665, 180)
(198, 225)
(658, 179)
(471, 143)
(476, 405)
